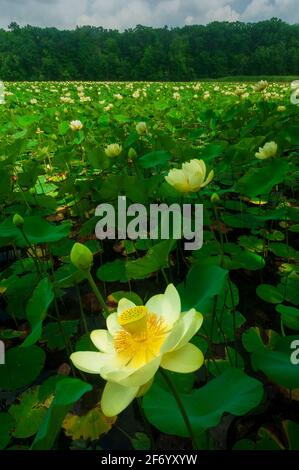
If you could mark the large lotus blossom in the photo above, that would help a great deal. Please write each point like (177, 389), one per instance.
(139, 340)
(269, 150)
(191, 177)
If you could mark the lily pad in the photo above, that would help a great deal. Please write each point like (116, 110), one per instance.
(22, 366)
(205, 406)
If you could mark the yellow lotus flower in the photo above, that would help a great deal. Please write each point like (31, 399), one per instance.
(113, 150)
(138, 341)
(269, 150)
(190, 178)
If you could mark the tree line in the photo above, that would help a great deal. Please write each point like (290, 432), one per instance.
(144, 53)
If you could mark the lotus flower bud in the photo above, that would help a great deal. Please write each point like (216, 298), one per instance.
(81, 257)
(18, 221)
(132, 154)
(215, 198)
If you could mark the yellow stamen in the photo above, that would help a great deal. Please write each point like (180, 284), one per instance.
(141, 345)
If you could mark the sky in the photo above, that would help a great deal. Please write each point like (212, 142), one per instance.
(122, 14)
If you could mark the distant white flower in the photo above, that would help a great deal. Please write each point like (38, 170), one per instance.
(108, 107)
(33, 101)
(191, 177)
(269, 150)
(113, 150)
(84, 99)
(76, 125)
(141, 128)
(261, 85)
(136, 94)
(66, 99)
(239, 91)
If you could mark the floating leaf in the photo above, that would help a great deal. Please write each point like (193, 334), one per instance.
(56, 334)
(114, 271)
(91, 426)
(155, 259)
(205, 406)
(269, 293)
(152, 159)
(202, 284)
(116, 296)
(22, 366)
(36, 229)
(7, 425)
(68, 391)
(259, 181)
(275, 362)
(289, 315)
(28, 414)
(232, 359)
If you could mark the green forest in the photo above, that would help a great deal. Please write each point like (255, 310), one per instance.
(216, 50)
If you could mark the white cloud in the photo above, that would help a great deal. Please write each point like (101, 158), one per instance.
(258, 9)
(226, 13)
(263, 9)
(122, 14)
